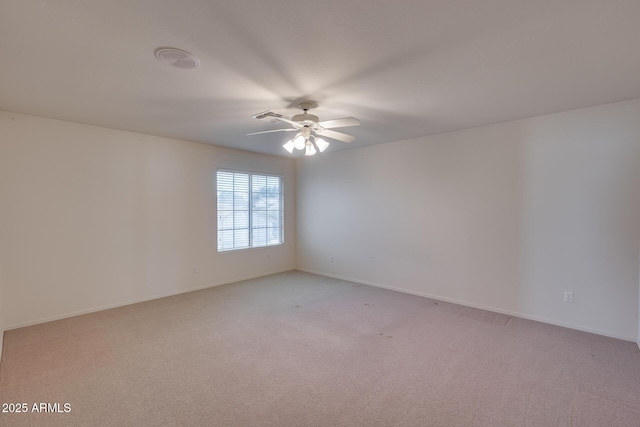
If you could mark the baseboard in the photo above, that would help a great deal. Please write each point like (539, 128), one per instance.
(122, 304)
(468, 304)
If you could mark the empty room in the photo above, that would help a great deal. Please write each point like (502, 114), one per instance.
(337, 213)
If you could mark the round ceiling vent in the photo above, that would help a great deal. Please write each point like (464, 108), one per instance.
(177, 57)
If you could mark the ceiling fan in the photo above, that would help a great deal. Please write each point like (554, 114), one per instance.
(309, 128)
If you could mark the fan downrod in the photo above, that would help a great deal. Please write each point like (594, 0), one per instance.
(305, 117)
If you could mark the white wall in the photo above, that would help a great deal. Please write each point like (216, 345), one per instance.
(504, 217)
(1, 315)
(95, 217)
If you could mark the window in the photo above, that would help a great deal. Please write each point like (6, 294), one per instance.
(249, 210)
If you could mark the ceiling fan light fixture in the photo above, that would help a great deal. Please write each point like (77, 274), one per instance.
(289, 146)
(321, 144)
(311, 150)
(308, 128)
(299, 142)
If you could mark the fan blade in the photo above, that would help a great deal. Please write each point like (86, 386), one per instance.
(268, 116)
(340, 123)
(288, 120)
(269, 131)
(273, 117)
(336, 135)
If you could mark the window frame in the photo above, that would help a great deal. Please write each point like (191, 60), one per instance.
(250, 175)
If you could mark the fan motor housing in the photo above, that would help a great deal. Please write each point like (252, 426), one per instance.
(305, 117)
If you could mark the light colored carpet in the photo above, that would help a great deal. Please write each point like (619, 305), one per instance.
(296, 349)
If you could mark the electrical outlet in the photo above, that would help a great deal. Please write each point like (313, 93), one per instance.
(568, 297)
(195, 268)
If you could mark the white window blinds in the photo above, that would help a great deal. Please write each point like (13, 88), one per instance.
(249, 210)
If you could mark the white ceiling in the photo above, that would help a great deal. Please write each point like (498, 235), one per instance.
(405, 68)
